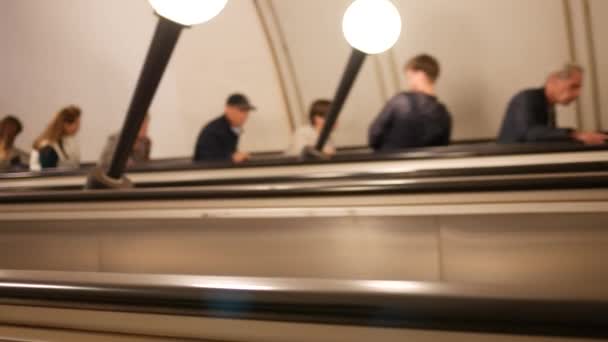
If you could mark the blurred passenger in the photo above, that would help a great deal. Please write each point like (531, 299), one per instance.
(531, 113)
(219, 139)
(10, 156)
(414, 118)
(57, 146)
(140, 152)
(309, 134)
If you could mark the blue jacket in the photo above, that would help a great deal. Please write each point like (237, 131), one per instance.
(411, 120)
(530, 118)
(217, 141)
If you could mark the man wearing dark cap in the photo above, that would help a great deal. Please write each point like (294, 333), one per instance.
(218, 141)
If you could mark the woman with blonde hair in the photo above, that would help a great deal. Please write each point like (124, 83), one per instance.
(10, 156)
(57, 145)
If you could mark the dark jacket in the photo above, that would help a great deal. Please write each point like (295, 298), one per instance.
(530, 118)
(217, 141)
(411, 120)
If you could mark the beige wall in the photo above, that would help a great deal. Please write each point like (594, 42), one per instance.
(89, 52)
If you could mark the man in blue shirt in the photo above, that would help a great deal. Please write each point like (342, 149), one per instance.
(530, 116)
(218, 141)
(414, 118)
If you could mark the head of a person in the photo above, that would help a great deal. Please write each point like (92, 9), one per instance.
(237, 110)
(10, 127)
(564, 86)
(422, 71)
(318, 112)
(65, 123)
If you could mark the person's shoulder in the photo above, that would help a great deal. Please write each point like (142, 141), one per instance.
(215, 127)
(442, 108)
(401, 100)
(402, 96)
(217, 123)
(527, 94)
(211, 125)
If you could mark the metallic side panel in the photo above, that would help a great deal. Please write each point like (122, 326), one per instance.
(343, 248)
(427, 204)
(24, 246)
(25, 334)
(526, 249)
(229, 330)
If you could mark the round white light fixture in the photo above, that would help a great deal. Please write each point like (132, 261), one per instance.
(372, 26)
(188, 12)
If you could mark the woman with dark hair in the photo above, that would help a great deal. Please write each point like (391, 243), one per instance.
(308, 135)
(57, 145)
(10, 156)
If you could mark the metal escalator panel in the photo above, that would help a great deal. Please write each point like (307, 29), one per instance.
(257, 309)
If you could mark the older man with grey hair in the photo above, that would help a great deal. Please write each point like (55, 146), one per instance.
(531, 113)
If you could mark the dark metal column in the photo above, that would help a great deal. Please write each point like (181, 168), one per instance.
(161, 48)
(348, 79)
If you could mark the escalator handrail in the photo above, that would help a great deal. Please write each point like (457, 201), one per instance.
(364, 187)
(449, 152)
(394, 304)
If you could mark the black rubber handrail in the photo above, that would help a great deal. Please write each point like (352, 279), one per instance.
(411, 305)
(580, 167)
(450, 152)
(437, 185)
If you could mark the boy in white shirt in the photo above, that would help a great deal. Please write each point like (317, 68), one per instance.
(308, 135)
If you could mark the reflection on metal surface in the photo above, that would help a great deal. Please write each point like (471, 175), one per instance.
(399, 305)
(233, 285)
(524, 246)
(26, 286)
(82, 322)
(391, 286)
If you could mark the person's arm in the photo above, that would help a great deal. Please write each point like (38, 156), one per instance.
(535, 129)
(590, 138)
(378, 128)
(48, 157)
(542, 133)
